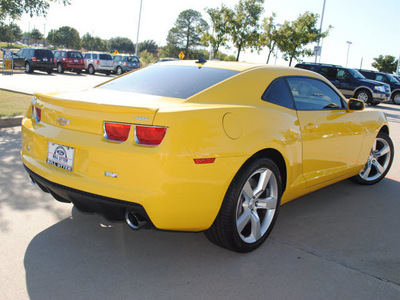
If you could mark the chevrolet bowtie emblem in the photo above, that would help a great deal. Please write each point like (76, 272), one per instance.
(62, 121)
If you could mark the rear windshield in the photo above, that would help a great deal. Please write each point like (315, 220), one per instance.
(40, 53)
(132, 59)
(105, 57)
(75, 55)
(169, 81)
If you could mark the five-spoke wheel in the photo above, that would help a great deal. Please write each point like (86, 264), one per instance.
(379, 161)
(250, 207)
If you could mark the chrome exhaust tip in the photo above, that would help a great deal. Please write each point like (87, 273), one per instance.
(135, 220)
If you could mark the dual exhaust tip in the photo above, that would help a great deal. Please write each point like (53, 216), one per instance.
(135, 220)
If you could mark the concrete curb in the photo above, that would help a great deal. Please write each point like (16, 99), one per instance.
(10, 122)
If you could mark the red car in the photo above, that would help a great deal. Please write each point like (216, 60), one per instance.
(69, 61)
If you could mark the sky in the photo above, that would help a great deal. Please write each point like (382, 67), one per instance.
(370, 25)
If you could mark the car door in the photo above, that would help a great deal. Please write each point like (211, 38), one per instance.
(331, 136)
(19, 58)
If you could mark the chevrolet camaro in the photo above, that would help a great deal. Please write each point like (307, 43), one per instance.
(202, 146)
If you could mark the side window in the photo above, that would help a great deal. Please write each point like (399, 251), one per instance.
(278, 93)
(341, 74)
(63, 54)
(380, 78)
(313, 94)
(330, 73)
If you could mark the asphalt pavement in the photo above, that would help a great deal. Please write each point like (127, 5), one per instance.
(341, 242)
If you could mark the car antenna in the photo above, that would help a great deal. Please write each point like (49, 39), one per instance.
(201, 60)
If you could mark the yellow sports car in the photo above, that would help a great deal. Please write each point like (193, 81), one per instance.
(202, 146)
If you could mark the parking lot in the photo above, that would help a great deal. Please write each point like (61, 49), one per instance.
(341, 242)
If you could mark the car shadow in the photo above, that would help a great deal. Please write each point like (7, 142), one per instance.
(87, 257)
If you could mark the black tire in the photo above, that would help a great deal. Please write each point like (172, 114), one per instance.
(364, 95)
(28, 68)
(78, 71)
(91, 70)
(379, 161)
(49, 71)
(396, 98)
(119, 71)
(60, 68)
(244, 223)
(108, 73)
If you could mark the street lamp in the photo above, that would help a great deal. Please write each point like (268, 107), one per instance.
(348, 50)
(318, 49)
(138, 27)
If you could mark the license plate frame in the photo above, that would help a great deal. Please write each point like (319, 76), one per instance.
(60, 156)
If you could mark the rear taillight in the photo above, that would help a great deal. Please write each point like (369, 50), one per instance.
(34, 58)
(116, 132)
(97, 62)
(149, 135)
(36, 112)
(55, 60)
(125, 64)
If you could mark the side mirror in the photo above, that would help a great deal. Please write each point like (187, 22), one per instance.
(355, 104)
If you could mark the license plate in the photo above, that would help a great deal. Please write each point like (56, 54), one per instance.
(75, 60)
(45, 59)
(60, 156)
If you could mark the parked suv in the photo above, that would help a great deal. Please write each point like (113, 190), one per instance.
(386, 78)
(34, 59)
(351, 83)
(65, 60)
(125, 63)
(98, 62)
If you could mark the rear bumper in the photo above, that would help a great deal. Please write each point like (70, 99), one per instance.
(112, 209)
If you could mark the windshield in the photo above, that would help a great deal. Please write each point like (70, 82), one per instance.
(169, 81)
(355, 74)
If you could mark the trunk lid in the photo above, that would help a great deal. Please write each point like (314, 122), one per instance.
(88, 110)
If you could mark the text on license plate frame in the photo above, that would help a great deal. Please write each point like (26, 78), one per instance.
(60, 156)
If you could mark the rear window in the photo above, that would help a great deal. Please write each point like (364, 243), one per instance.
(170, 81)
(105, 57)
(40, 53)
(74, 55)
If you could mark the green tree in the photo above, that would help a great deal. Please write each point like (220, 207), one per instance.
(93, 43)
(146, 58)
(185, 34)
(244, 25)
(386, 64)
(149, 45)
(6, 34)
(52, 36)
(220, 29)
(298, 34)
(35, 35)
(269, 35)
(14, 9)
(67, 37)
(16, 31)
(122, 44)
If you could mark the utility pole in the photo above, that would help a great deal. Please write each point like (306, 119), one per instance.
(318, 49)
(138, 27)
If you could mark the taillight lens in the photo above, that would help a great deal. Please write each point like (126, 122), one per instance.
(116, 132)
(149, 135)
(97, 62)
(34, 58)
(37, 114)
(199, 161)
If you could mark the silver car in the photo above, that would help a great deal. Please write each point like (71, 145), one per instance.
(98, 62)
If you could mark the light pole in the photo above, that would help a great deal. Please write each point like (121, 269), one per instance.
(319, 49)
(348, 50)
(138, 27)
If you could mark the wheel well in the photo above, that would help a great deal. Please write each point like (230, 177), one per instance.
(385, 129)
(277, 158)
